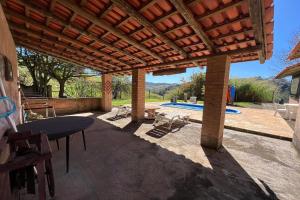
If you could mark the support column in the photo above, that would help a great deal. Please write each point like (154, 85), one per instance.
(106, 100)
(216, 84)
(296, 136)
(138, 94)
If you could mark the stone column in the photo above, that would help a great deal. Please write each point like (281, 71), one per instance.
(216, 84)
(138, 94)
(106, 100)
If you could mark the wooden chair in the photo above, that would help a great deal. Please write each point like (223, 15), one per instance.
(31, 153)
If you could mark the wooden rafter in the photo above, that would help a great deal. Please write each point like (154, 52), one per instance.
(54, 53)
(107, 9)
(189, 17)
(220, 9)
(86, 32)
(142, 20)
(65, 52)
(72, 60)
(105, 25)
(147, 5)
(223, 8)
(61, 36)
(256, 10)
(37, 35)
(199, 58)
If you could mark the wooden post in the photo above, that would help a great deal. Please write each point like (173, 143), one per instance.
(138, 94)
(216, 84)
(106, 100)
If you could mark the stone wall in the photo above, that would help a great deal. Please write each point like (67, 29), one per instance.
(65, 106)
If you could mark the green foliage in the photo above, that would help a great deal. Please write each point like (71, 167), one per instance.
(254, 89)
(24, 76)
(247, 89)
(80, 87)
(121, 87)
(194, 87)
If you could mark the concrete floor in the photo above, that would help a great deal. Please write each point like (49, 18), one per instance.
(137, 162)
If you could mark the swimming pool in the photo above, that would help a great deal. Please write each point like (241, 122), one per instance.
(196, 107)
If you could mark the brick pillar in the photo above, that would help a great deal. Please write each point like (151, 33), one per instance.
(106, 100)
(138, 94)
(216, 84)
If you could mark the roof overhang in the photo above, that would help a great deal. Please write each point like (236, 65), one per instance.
(295, 53)
(289, 71)
(115, 36)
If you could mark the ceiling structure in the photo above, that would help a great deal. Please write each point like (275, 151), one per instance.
(293, 69)
(295, 53)
(289, 71)
(115, 36)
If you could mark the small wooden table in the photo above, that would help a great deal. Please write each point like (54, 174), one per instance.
(59, 127)
(151, 112)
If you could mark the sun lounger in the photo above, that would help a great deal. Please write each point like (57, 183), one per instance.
(169, 120)
(123, 111)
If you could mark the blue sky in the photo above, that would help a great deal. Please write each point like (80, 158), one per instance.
(286, 26)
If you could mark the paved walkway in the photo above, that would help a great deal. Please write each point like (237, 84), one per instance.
(138, 162)
(250, 119)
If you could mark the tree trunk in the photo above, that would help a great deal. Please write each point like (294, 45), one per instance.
(61, 89)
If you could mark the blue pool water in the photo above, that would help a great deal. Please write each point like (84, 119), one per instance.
(196, 107)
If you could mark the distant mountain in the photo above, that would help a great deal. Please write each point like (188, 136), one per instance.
(157, 87)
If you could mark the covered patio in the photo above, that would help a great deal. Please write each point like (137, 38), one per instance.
(135, 162)
(138, 37)
(119, 37)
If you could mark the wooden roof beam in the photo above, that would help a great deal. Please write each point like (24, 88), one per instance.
(61, 36)
(200, 58)
(56, 55)
(189, 17)
(147, 5)
(256, 11)
(220, 9)
(142, 20)
(72, 54)
(106, 9)
(36, 35)
(105, 25)
(50, 16)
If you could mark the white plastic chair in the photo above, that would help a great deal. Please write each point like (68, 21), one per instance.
(123, 111)
(281, 108)
(169, 120)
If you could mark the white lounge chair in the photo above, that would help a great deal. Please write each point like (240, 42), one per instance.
(281, 108)
(169, 120)
(123, 111)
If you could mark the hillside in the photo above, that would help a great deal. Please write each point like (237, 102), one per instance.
(160, 87)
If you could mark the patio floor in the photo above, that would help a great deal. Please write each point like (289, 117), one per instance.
(137, 162)
(260, 121)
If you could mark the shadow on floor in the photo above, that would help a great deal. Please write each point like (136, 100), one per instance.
(160, 131)
(117, 117)
(124, 166)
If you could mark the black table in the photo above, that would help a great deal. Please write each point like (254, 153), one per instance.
(59, 127)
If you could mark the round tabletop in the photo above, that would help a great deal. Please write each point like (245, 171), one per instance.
(57, 127)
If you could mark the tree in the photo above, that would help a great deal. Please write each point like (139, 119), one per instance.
(120, 85)
(37, 65)
(62, 72)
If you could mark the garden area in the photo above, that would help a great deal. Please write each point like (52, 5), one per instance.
(67, 80)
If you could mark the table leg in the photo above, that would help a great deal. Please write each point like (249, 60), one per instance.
(67, 151)
(83, 138)
(57, 143)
